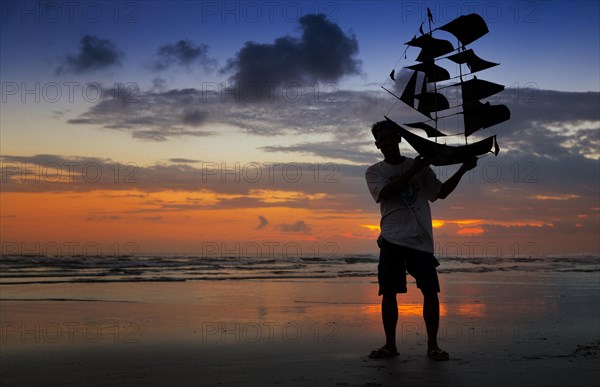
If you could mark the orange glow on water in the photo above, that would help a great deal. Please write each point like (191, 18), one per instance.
(408, 309)
(472, 309)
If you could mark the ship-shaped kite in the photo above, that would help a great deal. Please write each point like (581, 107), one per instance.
(423, 92)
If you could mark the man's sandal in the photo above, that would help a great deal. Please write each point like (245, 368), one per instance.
(383, 353)
(437, 354)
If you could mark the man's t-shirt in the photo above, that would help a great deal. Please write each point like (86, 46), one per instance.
(405, 217)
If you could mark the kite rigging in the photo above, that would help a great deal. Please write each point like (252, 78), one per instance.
(422, 92)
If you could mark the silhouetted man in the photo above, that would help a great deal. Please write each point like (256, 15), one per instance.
(403, 187)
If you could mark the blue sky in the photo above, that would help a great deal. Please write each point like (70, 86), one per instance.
(553, 44)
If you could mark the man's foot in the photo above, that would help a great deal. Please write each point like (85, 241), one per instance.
(437, 354)
(383, 353)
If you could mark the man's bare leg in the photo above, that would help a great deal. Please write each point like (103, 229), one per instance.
(389, 315)
(431, 315)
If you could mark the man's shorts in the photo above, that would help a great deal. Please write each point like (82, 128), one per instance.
(396, 260)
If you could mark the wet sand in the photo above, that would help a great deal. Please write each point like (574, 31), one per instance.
(518, 329)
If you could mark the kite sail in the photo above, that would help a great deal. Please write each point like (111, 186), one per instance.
(424, 93)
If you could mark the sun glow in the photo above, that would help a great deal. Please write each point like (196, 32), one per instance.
(371, 227)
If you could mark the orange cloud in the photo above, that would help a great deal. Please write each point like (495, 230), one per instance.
(475, 231)
(350, 235)
(520, 223)
(278, 196)
(554, 197)
(477, 222)
(464, 222)
(437, 223)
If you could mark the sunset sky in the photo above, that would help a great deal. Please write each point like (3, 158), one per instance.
(237, 127)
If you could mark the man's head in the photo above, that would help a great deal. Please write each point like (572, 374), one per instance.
(386, 136)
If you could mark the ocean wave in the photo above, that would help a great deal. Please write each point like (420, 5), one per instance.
(30, 269)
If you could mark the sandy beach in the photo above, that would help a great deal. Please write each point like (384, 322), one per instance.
(518, 329)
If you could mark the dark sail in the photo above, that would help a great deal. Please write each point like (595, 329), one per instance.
(473, 62)
(466, 28)
(440, 154)
(431, 131)
(476, 89)
(433, 72)
(479, 115)
(408, 95)
(431, 48)
(431, 101)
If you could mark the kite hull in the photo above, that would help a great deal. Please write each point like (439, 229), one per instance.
(440, 154)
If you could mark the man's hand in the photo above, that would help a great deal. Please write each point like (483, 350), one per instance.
(469, 164)
(419, 164)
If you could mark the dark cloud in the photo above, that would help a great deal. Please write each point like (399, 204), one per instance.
(183, 53)
(346, 115)
(342, 114)
(153, 116)
(35, 174)
(549, 124)
(183, 161)
(59, 114)
(263, 222)
(194, 117)
(323, 53)
(94, 54)
(165, 134)
(543, 123)
(159, 84)
(298, 227)
(331, 150)
(550, 106)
